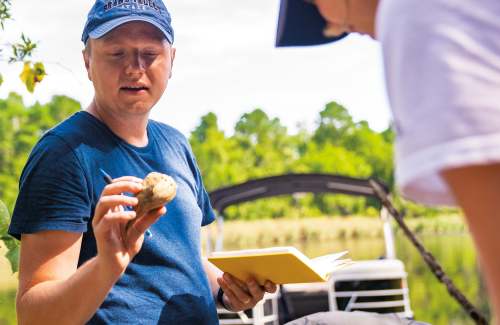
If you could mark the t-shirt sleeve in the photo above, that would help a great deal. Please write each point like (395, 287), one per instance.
(53, 191)
(202, 196)
(205, 205)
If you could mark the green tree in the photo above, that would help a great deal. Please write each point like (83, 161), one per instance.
(268, 147)
(374, 148)
(334, 124)
(336, 127)
(220, 156)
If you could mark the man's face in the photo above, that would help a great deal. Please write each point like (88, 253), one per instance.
(129, 67)
(348, 16)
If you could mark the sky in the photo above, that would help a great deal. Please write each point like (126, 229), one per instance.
(225, 63)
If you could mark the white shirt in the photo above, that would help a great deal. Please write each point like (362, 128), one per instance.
(442, 62)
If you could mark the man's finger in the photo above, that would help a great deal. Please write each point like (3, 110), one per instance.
(138, 226)
(238, 282)
(109, 202)
(111, 218)
(255, 290)
(128, 179)
(238, 292)
(121, 187)
(144, 222)
(234, 303)
(270, 287)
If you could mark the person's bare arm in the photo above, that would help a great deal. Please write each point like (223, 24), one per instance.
(52, 290)
(476, 189)
(212, 273)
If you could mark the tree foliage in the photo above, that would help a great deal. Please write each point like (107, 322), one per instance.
(261, 146)
(22, 51)
(4, 12)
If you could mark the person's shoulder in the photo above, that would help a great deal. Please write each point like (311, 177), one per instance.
(68, 135)
(75, 126)
(52, 153)
(172, 134)
(52, 147)
(81, 128)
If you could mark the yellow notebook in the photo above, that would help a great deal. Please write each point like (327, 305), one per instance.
(280, 265)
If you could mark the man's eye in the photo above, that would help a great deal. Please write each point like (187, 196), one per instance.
(151, 54)
(117, 54)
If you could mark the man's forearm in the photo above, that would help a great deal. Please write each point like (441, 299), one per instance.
(212, 273)
(70, 301)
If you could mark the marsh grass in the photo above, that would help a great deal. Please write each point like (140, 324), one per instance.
(278, 232)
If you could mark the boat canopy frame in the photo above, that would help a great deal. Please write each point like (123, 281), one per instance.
(292, 184)
(289, 184)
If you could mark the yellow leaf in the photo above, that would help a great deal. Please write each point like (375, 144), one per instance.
(32, 74)
(28, 77)
(39, 71)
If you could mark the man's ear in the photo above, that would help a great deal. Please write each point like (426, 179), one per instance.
(172, 56)
(86, 60)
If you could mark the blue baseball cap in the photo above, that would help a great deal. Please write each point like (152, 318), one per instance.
(107, 15)
(301, 24)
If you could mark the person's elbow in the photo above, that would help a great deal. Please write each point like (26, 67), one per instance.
(22, 309)
(30, 313)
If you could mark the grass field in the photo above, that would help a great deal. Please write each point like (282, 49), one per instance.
(275, 232)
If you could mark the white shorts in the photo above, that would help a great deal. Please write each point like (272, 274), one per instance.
(442, 62)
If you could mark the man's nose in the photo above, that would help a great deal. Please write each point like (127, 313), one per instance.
(135, 64)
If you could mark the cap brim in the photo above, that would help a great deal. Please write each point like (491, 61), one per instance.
(301, 24)
(112, 24)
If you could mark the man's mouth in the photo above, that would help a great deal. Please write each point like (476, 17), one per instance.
(134, 89)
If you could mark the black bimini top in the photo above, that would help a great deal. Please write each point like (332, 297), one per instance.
(290, 184)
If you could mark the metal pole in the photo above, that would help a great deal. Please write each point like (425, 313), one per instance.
(390, 249)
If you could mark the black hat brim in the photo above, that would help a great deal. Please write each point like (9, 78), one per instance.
(301, 24)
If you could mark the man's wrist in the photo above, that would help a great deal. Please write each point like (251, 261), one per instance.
(220, 299)
(106, 270)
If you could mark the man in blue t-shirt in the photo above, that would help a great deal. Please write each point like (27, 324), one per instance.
(79, 262)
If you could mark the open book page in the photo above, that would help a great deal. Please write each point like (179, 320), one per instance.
(258, 251)
(278, 264)
(326, 264)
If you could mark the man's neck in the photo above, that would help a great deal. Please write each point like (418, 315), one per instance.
(131, 128)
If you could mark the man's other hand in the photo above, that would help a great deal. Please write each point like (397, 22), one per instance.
(239, 295)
